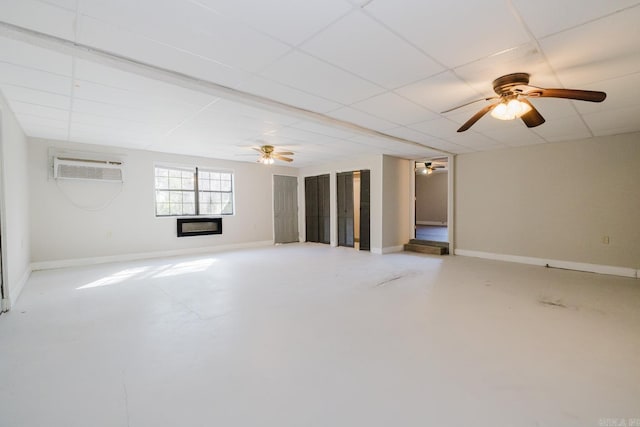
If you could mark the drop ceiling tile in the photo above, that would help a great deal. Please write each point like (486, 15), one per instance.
(613, 122)
(28, 120)
(110, 84)
(35, 110)
(34, 79)
(188, 27)
(453, 32)
(362, 46)
(323, 130)
(565, 129)
(359, 118)
(311, 75)
(440, 92)
(80, 133)
(450, 147)
(122, 42)
(525, 58)
(622, 92)
(394, 108)
(600, 50)
(123, 112)
(566, 14)
(277, 19)
(27, 55)
(132, 125)
(475, 141)
(46, 99)
(231, 109)
(438, 128)
(45, 132)
(515, 136)
(40, 16)
(287, 95)
(410, 134)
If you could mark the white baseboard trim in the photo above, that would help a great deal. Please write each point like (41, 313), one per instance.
(440, 223)
(16, 289)
(568, 265)
(77, 262)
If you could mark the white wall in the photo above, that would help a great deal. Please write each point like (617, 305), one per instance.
(66, 228)
(15, 203)
(431, 198)
(397, 203)
(372, 163)
(554, 201)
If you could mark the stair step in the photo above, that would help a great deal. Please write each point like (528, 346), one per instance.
(426, 249)
(429, 243)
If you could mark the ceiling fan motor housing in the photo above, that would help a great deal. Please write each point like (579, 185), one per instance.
(503, 85)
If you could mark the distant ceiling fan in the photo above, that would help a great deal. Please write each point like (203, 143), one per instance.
(513, 91)
(268, 154)
(431, 167)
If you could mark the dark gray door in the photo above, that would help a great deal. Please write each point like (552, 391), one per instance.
(365, 210)
(345, 209)
(317, 203)
(285, 209)
(324, 210)
(311, 208)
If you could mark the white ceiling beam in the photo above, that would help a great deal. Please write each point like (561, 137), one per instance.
(130, 65)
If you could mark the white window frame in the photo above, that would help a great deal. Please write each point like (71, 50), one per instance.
(196, 191)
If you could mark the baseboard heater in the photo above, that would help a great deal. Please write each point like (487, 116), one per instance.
(199, 226)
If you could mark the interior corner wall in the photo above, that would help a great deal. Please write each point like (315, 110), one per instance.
(374, 165)
(431, 198)
(396, 202)
(95, 220)
(15, 204)
(555, 201)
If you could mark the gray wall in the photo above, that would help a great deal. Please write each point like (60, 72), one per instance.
(71, 228)
(397, 203)
(554, 201)
(431, 198)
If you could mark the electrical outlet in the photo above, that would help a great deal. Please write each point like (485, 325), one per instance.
(605, 240)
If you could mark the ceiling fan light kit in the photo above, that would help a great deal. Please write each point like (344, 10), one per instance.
(510, 110)
(513, 91)
(268, 155)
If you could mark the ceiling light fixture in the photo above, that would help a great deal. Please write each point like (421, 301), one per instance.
(510, 110)
(266, 159)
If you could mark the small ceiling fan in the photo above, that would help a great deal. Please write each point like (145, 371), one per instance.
(431, 167)
(268, 154)
(513, 92)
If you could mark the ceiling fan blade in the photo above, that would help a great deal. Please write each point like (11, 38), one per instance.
(533, 118)
(259, 150)
(580, 95)
(469, 103)
(477, 116)
(286, 159)
(285, 153)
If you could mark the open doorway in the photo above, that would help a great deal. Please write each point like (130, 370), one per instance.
(432, 202)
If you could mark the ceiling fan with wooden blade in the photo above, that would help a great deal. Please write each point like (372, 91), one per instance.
(268, 154)
(513, 91)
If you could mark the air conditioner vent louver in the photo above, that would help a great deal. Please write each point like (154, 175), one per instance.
(95, 170)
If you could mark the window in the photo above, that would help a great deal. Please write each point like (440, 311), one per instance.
(193, 191)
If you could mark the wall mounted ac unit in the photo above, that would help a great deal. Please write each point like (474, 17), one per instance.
(87, 169)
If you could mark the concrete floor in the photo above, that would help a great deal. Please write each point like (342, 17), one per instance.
(309, 335)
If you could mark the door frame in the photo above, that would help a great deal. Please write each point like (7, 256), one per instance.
(451, 160)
